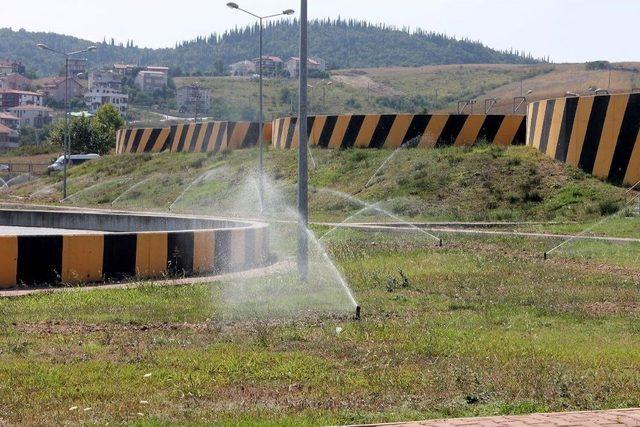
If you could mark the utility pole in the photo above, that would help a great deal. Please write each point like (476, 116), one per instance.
(303, 202)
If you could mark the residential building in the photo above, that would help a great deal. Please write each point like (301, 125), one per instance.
(243, 68)
(32, 115)
(193, 99)
(77, 66)
(15, 81)
(54, 88)
(105, 79)
(271, 65)
(158, 69)
(8, 138)
(9, 67)
(9, 120)
(314, 64)
(123, 70)
(150, 81)
(16, 98)
(99, 96)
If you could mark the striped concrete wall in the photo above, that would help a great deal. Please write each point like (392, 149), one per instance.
(192, 137)
(598, 134)
(70, 259)
(394, 130)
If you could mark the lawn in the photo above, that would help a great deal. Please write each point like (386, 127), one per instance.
(481, 326)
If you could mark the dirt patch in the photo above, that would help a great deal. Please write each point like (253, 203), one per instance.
(361, 81)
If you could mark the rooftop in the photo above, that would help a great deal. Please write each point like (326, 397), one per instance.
(311, 61)
(7, 116)
(22, 92)
(5, 130)
(269, 58)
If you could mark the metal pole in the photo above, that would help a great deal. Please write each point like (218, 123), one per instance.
(260, 132)
(67, 137)
(303, 208)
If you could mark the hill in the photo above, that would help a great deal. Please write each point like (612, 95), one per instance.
(341, 43)
(445, 184)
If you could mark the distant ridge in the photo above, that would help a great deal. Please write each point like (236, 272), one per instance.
(342, 43)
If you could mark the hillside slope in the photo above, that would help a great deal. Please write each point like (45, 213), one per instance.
(481, 183)
(341, 43)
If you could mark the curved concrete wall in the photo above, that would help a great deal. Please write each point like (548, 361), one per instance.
(192, 137)
(598, 134)
(190, 246)
(393, 130)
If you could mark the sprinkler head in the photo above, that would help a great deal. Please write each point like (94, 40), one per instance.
(439, 242)
(545, 256)
(358, 312)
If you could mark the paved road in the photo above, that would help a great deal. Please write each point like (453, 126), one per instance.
(6, 230)
(621, 417)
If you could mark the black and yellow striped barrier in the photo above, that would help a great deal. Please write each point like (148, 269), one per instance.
(191, 138)
(395, 130)
(86, 258)
(598, 134)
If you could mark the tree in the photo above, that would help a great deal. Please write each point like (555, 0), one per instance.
(90, 135)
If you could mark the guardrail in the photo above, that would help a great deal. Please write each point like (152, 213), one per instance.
(31, 168)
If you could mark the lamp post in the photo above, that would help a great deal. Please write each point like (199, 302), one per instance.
(67, 137)
(303, 176)
(261, 117)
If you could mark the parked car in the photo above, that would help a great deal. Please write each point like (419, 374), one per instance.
(74, 159)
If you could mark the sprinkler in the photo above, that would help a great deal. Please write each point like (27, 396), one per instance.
(545, 256)
(440, 242)
(357, 313)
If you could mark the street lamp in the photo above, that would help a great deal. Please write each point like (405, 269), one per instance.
(261, 118)
(67, 137)
(303, 172)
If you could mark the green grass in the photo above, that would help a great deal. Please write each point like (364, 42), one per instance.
(484, 327)
(483, 183)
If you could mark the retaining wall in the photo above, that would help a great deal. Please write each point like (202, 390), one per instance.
(191, 246)
(598, 134)
(394, 130)
(192, 137)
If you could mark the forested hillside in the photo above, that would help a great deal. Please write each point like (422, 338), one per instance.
(343, 44)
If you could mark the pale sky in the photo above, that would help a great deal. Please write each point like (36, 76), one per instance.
(565, 30)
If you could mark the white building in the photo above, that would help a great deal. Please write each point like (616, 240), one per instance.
(315, 64)
(99, 96)
(32, 115)
(243, 68)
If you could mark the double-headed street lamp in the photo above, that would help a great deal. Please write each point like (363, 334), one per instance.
(261, 117)
(67, 137)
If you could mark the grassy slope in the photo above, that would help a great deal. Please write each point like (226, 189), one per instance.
(467, 337)
(480, 183)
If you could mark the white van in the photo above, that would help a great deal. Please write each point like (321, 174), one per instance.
(74, 159)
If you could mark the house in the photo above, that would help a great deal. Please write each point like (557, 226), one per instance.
(8, 138)
(102, 95)
(54, 88)
(314, 64)
(123, 70)
(10, 67)
(32, 115)
(77, 66)
(15, 81)
(150, 81)
(158, 69)
(16, 98)
(243, 68)
(9, 120)
(271, 65)
(105, 79)
(193, 99)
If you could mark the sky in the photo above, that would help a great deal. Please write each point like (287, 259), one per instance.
(564, 30)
